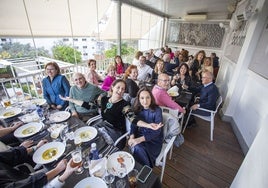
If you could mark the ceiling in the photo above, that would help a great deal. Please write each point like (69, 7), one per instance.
(215, 9)
(55, 18)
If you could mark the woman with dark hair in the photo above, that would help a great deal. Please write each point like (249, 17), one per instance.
(182, 79)
(195, 69)
(114, 111)
(146, 143)
(54, 85)
(120, 66)
(92, 76)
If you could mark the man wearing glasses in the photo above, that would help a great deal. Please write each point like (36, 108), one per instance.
(161, 96)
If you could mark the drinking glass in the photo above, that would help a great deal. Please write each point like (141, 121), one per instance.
(64, 137)
(132, 178)
(77, 161)
(108, 178)
(77, 141)
(54, 134)
(6, 102)
(121, 173)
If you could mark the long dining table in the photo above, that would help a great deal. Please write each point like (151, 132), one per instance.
(74, 124)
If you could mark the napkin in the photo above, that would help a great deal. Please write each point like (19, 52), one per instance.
(97, 167)
(27, 118)
(173, 89)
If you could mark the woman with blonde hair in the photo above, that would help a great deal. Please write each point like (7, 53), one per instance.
(107, 82)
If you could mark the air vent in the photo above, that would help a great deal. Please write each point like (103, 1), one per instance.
(195, 17)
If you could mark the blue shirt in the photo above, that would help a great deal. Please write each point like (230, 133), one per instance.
(52, 89)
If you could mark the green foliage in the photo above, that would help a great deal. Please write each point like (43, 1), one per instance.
(17, 50)
(66, 53)
(125, 50)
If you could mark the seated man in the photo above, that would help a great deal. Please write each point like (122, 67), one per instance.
(208, 94)
(87, 92)
(161, 96)
(13, 177)
(144, 71)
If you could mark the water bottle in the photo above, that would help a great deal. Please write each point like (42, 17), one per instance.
(94, 153)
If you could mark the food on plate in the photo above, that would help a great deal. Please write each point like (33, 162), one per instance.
(121, 160)
(49, 153)
(29, 130)
(173, 93)
(8, 114)
(85, 134)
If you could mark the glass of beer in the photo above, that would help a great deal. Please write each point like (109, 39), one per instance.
(77, 161)
(6, 101)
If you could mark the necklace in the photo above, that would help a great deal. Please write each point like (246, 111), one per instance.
(110, 103)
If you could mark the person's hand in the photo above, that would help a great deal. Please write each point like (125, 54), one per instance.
(53, 107)
(68, 171)
(17, 124)
(183, 111)
(75, 114)
(155, 126)
(64, 98)
(61, 165)
(59, 107)
(27, 143)
(41, 143)
(194, 107)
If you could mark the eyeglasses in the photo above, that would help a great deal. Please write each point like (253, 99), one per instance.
(164, 80)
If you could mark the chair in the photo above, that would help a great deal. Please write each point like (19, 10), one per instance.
(206, 118)
(99, 117)
(171, 130)
(174, 112)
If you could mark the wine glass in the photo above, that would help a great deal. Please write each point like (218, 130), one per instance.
(121, 173)
(86, 160)
(108, 178)
(77, 141)
(77, 161)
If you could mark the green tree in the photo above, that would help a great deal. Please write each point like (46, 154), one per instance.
(125, 50)
(66, 53)
(16, 50)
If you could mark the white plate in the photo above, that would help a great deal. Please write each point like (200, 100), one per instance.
(115, 160)
(86, 133)
(59, 116)
(39, 102)
(9, 112)
(42, 156)
(91, 182)
(28, 129)
(173, 93)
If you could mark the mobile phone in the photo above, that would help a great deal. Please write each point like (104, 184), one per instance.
(144, 173)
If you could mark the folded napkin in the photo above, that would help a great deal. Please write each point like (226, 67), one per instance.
(98, 167)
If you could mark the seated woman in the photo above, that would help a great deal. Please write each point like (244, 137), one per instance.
(132, 88)
(54, 85)
(92, 76)
(158, 69)
(114, 110)
(107, 82)
(85, 92)
(120, 66)
(146, 143)
(182, 79)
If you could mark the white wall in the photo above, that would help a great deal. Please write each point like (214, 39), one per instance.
(245, 104)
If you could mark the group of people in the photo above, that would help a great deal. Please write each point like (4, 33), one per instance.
(116, 100)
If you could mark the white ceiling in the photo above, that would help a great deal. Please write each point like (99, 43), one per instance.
(52, 18)
(215, 9)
